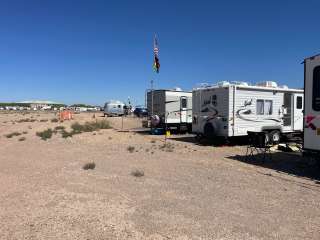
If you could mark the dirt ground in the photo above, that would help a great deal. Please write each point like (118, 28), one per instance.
(188, 191)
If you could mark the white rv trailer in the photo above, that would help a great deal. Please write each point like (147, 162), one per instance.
(114, 108)
(311, 137)
(233, 109)
(170, 109)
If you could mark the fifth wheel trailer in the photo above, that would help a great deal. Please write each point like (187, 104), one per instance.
(171, 109)
(311, 139)
(232, 109)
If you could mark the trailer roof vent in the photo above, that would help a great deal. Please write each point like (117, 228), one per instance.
(240, 83)
(284, 87)
(222, 83)
(177, 89)
(271, 84)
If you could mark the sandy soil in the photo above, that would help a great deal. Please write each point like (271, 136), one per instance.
(188, 191)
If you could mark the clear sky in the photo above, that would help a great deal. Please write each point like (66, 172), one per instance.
(89, 51)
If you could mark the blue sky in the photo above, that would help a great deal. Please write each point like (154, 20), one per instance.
(92, 51)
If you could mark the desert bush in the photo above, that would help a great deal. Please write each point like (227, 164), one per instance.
(130, 149)
(46, 134)
(54, 120)
(88, 166)
(168, 147)
(59, 128)
(44, 120)
(90, 126)
(25, 120)
(77, 127)
(22, 139)
(137, 173)
(10, 135)
(66, 134)
(153, 141)
(109, 138)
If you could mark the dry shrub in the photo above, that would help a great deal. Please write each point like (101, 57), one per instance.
(22, 139)
(54, 120)
(168, 147)
(66, 134)
(25, 120)
(137, 173)
(90, 126)
(46, 134)
(89, 166)
(59, 128)
(13, 134)
(131, 149)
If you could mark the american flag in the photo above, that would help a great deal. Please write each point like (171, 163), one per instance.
(156, 62)
(155, 46)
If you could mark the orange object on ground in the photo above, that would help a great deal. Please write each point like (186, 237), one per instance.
(65, 115)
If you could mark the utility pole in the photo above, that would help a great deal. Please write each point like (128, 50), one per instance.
(151, 97)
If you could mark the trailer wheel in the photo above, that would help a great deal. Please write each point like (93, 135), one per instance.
(275, 136)
(209, 130)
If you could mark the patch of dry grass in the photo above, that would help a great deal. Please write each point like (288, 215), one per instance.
(22, 139)
(46, 134)
(168, 147)
(89, 166)
(131, 149)
(13, 134)
(137, 173)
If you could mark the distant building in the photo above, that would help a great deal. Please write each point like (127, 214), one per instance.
(45, 105)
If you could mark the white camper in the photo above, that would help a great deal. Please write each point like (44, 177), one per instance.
(311, 137)
(170, 109)
(233, 109)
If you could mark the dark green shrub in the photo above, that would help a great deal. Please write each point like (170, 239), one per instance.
(46, 134)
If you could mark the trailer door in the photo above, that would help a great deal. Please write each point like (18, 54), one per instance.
(312, 104)
(183, 109)
(298, 112)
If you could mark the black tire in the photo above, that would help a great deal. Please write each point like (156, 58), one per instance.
(275, 136)
(209, 130)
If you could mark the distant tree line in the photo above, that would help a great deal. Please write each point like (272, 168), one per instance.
(82, 105)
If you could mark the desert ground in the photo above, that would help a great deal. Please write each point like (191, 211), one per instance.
(143, 189)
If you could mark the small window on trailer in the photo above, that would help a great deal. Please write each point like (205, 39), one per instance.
(183, 102)
(260, 107)
(268, 107)
(299, 102)
(316, 89)
(264, 107)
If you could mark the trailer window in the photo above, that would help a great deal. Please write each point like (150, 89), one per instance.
(316, 89)
(299, 102)
(268, 107)
(183, 103)
(260, 107)
(264, 107)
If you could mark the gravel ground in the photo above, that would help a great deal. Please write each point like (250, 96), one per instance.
(187, 191)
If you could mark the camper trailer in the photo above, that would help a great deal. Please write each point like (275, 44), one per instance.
(311, 142)
(233, 109)
(114, 108)
(170, 109)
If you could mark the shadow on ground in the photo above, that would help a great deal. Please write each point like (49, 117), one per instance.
(218, 142)
(289, 163)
